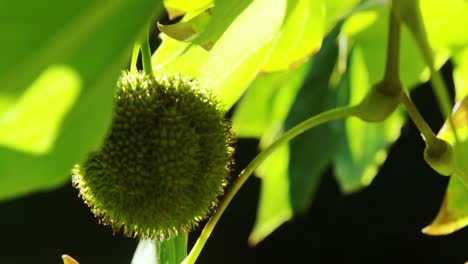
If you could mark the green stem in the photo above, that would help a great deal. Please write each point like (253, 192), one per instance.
(146, 53)
(411, 15)
(392, 67)
(321, 118)
(135, 53)
(434, 144)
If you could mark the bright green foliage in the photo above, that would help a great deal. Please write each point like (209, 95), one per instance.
(289, 178)
(168, 135)
(71, 59)
(365, 146)
(189, 29)
(58, 87)
(270, 96)
(368, 29)
(297, 41)
(275, 206)
(460, 74)
(453, 214)
(233, 61)
(312, 152)
(177, 8)
(446, 25)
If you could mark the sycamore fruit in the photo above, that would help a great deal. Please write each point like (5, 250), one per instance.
(165, 160)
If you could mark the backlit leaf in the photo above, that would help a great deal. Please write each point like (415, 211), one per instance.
(75, 56)
(366, 144)
(176, 8)
(233, 62)
(291, 175)
(453, 214)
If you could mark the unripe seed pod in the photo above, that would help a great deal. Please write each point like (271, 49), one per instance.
(165, 160)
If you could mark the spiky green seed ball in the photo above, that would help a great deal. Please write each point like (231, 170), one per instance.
(164, 162)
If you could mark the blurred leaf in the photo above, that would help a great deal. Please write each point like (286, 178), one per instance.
(339, 9)
(230, 66)
(312, 151)
(234, 61)
(177, 56)
(460, 119)
(291, 174)
(161, 252)
(88, 41)
(443, 23)
(187, 30)
(71, 36)
(368, 28)
(68, 260)
(274, 205)
(460, 74)
(301, 35)
(270, 97)
(453, 214)
(29, 125)
(365, 146)
(446, 24)
(306, 22)
(224, 14)
(176, 8)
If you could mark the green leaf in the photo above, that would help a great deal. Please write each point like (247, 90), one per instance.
(270, 97)
(301, 35)
(446, 24)
(233, 62)
(460, 119)
(177, 56)
(187, 30)
(460, 74)
(170, 251)
(291, 174)
(441, 25)
(75, 56)
(224, 14)
(305, 25)
(274, 205)
(28, 124)
(176, 8)
(365, 146)
(312, 151)
(368, 28)
(453, 214)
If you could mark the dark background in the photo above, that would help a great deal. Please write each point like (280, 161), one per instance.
(380, 224)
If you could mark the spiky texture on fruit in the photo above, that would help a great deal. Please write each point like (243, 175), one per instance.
(165, 160)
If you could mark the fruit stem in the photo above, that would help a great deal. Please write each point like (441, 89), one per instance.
(146, 53)
(410, 13)
(434, 144)
(392, 66)
(135, 53)
(316, 120)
